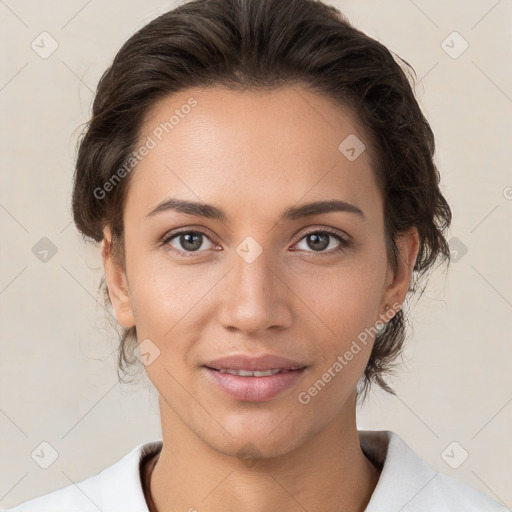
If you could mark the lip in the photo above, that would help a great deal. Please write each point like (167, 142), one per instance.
(246, 362)
(253, 389)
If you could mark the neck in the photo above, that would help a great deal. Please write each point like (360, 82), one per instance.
(327, 473)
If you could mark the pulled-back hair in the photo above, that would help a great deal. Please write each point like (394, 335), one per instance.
(266, 44)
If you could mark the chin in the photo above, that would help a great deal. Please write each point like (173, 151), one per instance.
(255, 436)
(250, 449)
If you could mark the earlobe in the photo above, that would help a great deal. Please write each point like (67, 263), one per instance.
(117, 283)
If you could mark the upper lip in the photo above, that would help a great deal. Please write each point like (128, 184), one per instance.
(260, 363)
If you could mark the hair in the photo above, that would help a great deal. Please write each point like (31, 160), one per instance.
(258, 45)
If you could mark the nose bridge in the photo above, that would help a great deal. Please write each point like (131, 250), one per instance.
(255, 297)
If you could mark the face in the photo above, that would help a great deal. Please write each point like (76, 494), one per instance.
(240, 278)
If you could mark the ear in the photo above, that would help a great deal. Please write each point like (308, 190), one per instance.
(117, 283)
(397, 283)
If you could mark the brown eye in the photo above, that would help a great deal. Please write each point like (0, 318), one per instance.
(319, 241)
(187, 242)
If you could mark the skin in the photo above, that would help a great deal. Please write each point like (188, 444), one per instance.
(253, 155)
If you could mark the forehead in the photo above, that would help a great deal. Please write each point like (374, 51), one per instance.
(252, 149)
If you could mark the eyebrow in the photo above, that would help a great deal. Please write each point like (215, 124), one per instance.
(295, 212)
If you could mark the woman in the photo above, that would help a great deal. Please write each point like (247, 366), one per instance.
(261, 179)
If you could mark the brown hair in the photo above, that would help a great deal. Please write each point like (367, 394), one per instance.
(257, 44)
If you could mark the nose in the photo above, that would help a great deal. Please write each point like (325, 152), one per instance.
(257, 297)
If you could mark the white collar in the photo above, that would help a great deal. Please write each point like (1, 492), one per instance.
(406, 484)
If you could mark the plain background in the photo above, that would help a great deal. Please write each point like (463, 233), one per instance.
(57, 378)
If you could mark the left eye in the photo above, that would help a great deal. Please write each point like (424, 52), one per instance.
(319, 240)
(192, 241)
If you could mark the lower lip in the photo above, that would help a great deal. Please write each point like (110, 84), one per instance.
(253, 389)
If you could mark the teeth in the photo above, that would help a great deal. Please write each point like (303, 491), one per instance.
(249, 373)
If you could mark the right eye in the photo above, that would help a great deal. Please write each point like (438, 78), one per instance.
(186, 242)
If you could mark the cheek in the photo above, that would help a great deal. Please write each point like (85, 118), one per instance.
(343, 307)
(343, 339)
(163, 293)
(167, 312)
(342, 300)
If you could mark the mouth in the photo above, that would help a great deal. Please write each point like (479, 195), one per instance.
(253, 385)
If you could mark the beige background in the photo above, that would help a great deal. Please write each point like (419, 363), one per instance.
(57, 377)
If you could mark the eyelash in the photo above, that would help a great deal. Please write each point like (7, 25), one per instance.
(343, 242)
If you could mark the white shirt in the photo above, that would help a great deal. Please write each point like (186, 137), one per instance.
(406, 484)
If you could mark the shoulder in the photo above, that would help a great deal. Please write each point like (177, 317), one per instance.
(459, 495)
(115, 489)
(407, 483)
